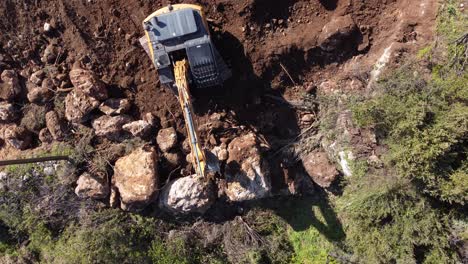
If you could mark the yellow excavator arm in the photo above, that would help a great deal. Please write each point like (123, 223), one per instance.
(181, 81)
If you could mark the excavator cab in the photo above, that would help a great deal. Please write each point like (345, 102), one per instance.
(181, 31)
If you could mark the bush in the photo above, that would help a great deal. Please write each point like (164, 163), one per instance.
(426, 127)
(387, 221)
(109, 236)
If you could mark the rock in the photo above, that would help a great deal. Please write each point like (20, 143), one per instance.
(55, 125)
(221, 152)
(78, 105)
(47, 27)
(45, 136)
(166, 139)
(7, 112)
(48, 83)
(87, 82)
(110, 126)
(247, 174)
(37, 77)
(185, 195)
(186, 146)
(345, 157)
(136, 178)
(40, 95)
(307, 118)
(93, 187)
(320, 169)
(114, 198)
(138, 128)
(115, 106)
(33, 117)
(150, 118)
(10, 87)
(173, 159)
(50, 54)
(328, 87)
(49, 170)
(335, 32)
(375, 161)
(17, 137)
(223, 155)
(3, 182)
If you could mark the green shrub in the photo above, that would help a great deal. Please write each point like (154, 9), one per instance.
(386, 221)
(426, 127)
(110, 236)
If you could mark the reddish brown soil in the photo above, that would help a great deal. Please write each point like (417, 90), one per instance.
(259, 39)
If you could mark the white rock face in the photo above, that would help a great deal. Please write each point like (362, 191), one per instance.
(7, 112)
(138, 128)
(345, 156)
(46, 27)
(89, 186)
(190, 194)
(78, 105)
(110, 126)
(87, 82)
(115, 106)
(247, 174)
(136, 178)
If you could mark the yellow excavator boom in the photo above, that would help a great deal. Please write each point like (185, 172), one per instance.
(181, 77)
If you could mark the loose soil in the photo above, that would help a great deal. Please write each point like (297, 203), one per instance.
(271, 47)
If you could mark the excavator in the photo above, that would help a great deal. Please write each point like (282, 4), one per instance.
(178, 41)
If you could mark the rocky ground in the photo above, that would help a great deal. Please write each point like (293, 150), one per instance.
(73, 72)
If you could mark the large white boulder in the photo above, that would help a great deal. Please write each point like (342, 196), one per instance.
(191, 194)
(247, 173)
(136, 178)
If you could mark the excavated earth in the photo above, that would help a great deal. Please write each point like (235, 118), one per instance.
(278, 51)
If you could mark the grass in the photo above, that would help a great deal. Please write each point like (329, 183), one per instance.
(311, 227)
(310, 245)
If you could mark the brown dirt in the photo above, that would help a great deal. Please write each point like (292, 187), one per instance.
(259, 39)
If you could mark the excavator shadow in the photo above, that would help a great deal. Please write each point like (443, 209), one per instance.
(248, 97)
(303, 213)
(246, 94)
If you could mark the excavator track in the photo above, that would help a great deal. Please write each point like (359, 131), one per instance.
(181, 69)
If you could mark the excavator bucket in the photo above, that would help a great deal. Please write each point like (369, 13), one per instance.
(212, 162)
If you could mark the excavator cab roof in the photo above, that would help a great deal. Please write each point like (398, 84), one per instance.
(182, 30)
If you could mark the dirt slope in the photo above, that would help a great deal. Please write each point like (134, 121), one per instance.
(272, 49)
